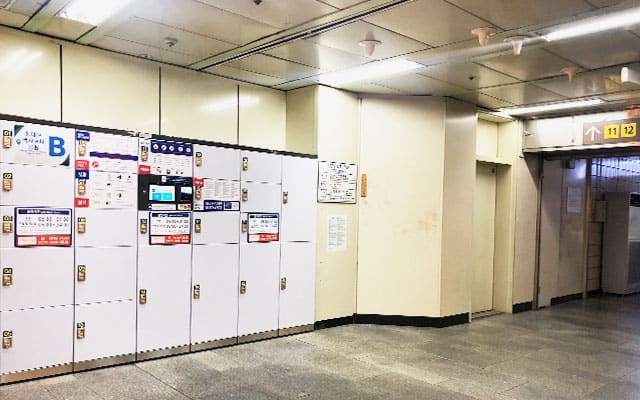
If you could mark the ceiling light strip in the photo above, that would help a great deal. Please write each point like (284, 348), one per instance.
(616, 20)
(42, 17)
(551, 107)
(310, 28)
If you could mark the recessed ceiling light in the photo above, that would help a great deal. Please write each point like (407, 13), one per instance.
(370, 71)
(620, 19)
(551, 107)
(92, 12)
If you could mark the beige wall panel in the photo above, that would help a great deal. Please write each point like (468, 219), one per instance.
(571, 266)
(401, 218)
(487, 139)
(302, 120)
(109, 90)
(505, 239)
(550, 223)
(457, 215)
(338, 140)
(198, 106)
(525, 230)
(29, 76)
(262, 119)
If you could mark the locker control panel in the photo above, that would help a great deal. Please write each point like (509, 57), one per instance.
(165, 193)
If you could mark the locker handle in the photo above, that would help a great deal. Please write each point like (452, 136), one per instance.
(7, 339)
(244, 226)
(142, 297)
(80, 330)
(243, 287)
(245, 194)
(283, 283)
(196, 292)
(285, 197)
(7, 182)
(82, 273)
(7, 277)
(245, 163)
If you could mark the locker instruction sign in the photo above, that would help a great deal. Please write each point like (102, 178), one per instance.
(170, 228)
(337, 182)
(106, 152)
(621, 131)
(162, 157)
(216, 195)
(43, 227)
(263, 228)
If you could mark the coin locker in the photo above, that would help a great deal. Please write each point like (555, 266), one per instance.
(39, 338)
(299, 183)
(104, 330)
(258, 288)
(36, 185)
(261, 167)
(216, 162)
(105, 227)
(297, 284)
(105, 274)
(215, 277)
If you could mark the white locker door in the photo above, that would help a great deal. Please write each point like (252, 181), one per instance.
(214, 315)
(261, 197)
(165, 273)
(216, 227)
(261, 167)
(216, 162)
(105, 274)
(38, 186)
(299, 186)
(258, 306)
(109, 330)
(40, 337)
(297, 290)
(106, 227)
(42, 276)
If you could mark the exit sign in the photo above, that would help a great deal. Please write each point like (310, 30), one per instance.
(610, 132)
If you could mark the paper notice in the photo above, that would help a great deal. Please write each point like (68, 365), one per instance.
(337, 233)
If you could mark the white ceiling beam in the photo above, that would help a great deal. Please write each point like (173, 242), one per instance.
(42, 17)
(311, 28)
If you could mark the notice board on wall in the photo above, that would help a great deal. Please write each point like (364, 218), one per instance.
(337, 182)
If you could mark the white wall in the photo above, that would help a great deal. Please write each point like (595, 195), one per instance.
(64, 82)
(400, 228)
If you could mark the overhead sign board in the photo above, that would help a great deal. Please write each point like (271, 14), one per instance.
(622, 131)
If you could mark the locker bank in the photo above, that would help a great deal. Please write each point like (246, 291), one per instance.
(320, 198)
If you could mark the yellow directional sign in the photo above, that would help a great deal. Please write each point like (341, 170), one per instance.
(611, 132)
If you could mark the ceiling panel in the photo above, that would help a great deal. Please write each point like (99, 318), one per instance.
(314, 55)
(65, 28)
(483, 100)
(522, 93)
(153, 34)
(533, 63)
(341, 3)
(429, 21)
(141, 50)
(247, 76)
(347, 37)
(9, 18)
(281, 14)
(585, 84)
(604, 3)
(468, 75)
(279, 68)
(514, 14)
(370, 88)
(596, 51)
(27, 7)
(632, 95)
(419, 85)
(205, 20)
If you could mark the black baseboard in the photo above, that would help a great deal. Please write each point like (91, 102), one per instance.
(564, 299)
(402, 320)
(522, 307)
(333, 322)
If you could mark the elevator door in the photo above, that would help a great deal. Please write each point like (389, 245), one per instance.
(484, 216)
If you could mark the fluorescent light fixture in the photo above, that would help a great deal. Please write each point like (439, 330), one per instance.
(367, 72)
(620, 19)
(230, 103)
(551, 107)
(92, 12)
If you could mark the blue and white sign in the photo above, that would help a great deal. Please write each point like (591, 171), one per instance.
(37, 144)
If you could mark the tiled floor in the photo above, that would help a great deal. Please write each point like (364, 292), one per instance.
(576, 350)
